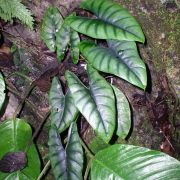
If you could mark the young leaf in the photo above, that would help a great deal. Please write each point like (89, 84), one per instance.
(51, 24)
(66, 163)
(120, 59)
(114, 22)
(133, 162)
(63, 110)
(74, 41)
(123, 114)
(2, 89)
(97, 104)
(14, 137)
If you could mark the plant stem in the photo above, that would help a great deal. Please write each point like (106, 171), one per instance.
(37, 131)
(44, 171)
(20, 74)
(20, 106)
(89, 153)
(29, 103)
(87, 169)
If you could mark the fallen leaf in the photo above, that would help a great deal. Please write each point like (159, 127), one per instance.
(13, 161)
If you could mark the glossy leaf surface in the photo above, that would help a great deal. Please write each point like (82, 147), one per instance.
(52, 23)
(62, 40)
(66, 163)
(114, 22)
(120, 59)
(97, 104)
(2, 89)
(14, 137)
(133, 162)
(74, 42)
(123, 114)
(63, 110)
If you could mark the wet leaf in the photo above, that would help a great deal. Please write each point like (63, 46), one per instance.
(133, 162)
(97, 104)
(113, 22)
(14, 137)
(66, 163)
(74, 41)
(120, 59)
(51, 24)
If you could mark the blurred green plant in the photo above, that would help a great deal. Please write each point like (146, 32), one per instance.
(10, 9)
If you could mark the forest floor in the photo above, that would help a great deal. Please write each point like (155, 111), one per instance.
(155, 112)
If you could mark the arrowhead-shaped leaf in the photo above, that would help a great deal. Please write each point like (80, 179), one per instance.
(114, 22)
(97, 104)
(123, 114)
(120, 59)
(51, 24)
(14, 137)
(66, 163)
(132, 162)
(63, 110)
(2, 89)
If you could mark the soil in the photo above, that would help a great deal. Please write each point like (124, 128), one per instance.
(155, 112)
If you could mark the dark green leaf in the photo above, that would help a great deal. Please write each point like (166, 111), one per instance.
(97, 104)
(66, 36)
(62, 40)
(57, 102)
(120, 59)
(14, 137)
(131, 162)
(2, 89)
(63, 110)
(74, 40)
(66, 163)
(123, 114)
(57, 154)
(52, 23)
(114, 22)
(74, 154)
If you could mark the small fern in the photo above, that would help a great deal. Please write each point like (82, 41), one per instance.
(10, 9)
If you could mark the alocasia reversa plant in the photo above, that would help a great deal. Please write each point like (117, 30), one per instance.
(102, 104)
